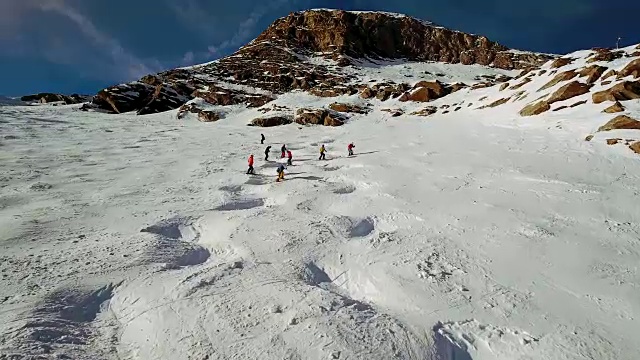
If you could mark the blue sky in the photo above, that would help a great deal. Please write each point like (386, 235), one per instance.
(84, 45)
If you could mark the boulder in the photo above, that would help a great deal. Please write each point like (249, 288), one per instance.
(560, 62)
(635, 147)
(592, 73)
(367, 93)
(348, 108)
(588, 138)
(535, 108)
(310, 116)
(626, 90)
(333, 119)
(504, 86)
(615, 108)
(209, 116)
(563, 76)
(393, 112)
(632, 69)
(613, 141)
(271, 121)
(572, 89)
(621, 122)
(458, 86)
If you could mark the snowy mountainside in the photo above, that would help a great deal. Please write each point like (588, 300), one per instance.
(473, 222)
(312, 51)
(476, 234)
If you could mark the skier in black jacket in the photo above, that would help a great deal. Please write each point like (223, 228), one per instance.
(266, 153)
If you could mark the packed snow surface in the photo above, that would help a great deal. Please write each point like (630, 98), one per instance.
(472, 235)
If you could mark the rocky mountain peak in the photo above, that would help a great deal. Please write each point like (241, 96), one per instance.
(388, 35)
(317, 51)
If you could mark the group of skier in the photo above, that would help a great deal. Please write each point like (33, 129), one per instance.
(286, 152)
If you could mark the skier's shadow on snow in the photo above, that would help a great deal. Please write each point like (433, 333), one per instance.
(365, 153)
(258, 179)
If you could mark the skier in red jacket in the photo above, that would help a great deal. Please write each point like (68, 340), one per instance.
(250, 170)
(289, 157)
(350, 148)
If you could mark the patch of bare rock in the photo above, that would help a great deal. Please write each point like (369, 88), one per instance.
(626, 90)
(271, 121)
(324, 117)
(621, 122)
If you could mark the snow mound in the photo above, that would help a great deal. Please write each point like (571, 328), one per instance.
(471, 340)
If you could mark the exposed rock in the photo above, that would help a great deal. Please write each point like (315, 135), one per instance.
(609, 74)
(542, 72)
(348, 108)
(209, 116)
(524, 72)
(535, 108)
(613, 141)
(626, 90)
(581, 102)
(560, 62)
(504, 86)
(393, 112)
(482, 85)
(46, 98)
(563, 76)
(458, 86)
(457, 108)
(592, 73)
(426, 91)
(635, 147)
(632, 69)
(319, 117)
(616, 107)
(367, 93)
(162, 99)
(496, 103)
(602, 54)
(334, 119)
(560, 108)
(271, 121)
(621, 122)
(572, 89)
(378, 34)
(521, 84)
(588, 138)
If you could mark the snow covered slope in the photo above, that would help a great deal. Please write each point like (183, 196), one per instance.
(476, 234)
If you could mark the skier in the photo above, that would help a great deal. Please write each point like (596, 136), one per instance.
(350, 148)
(289, 157)
(283, 149)
(262, 138)
(280, 173)
(266, 153)
(322, 150)
(250, 170)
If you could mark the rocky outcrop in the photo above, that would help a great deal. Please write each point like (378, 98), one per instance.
(602, 54)
(609, 74)
(615, 108)
(521, 84)
(563, 76)
(592, 73)
(45, 98)
(560, 62)
(632, 69)
(535, 108)
(572, 89)
(271, 121)
(496, 103)
(626, 90)
(635, 147)
(319, 117)
(621, 122)
(384, 91)
(426, 91)
(348, 108)
(375, 34)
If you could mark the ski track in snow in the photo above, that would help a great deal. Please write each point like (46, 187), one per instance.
(129, 237)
